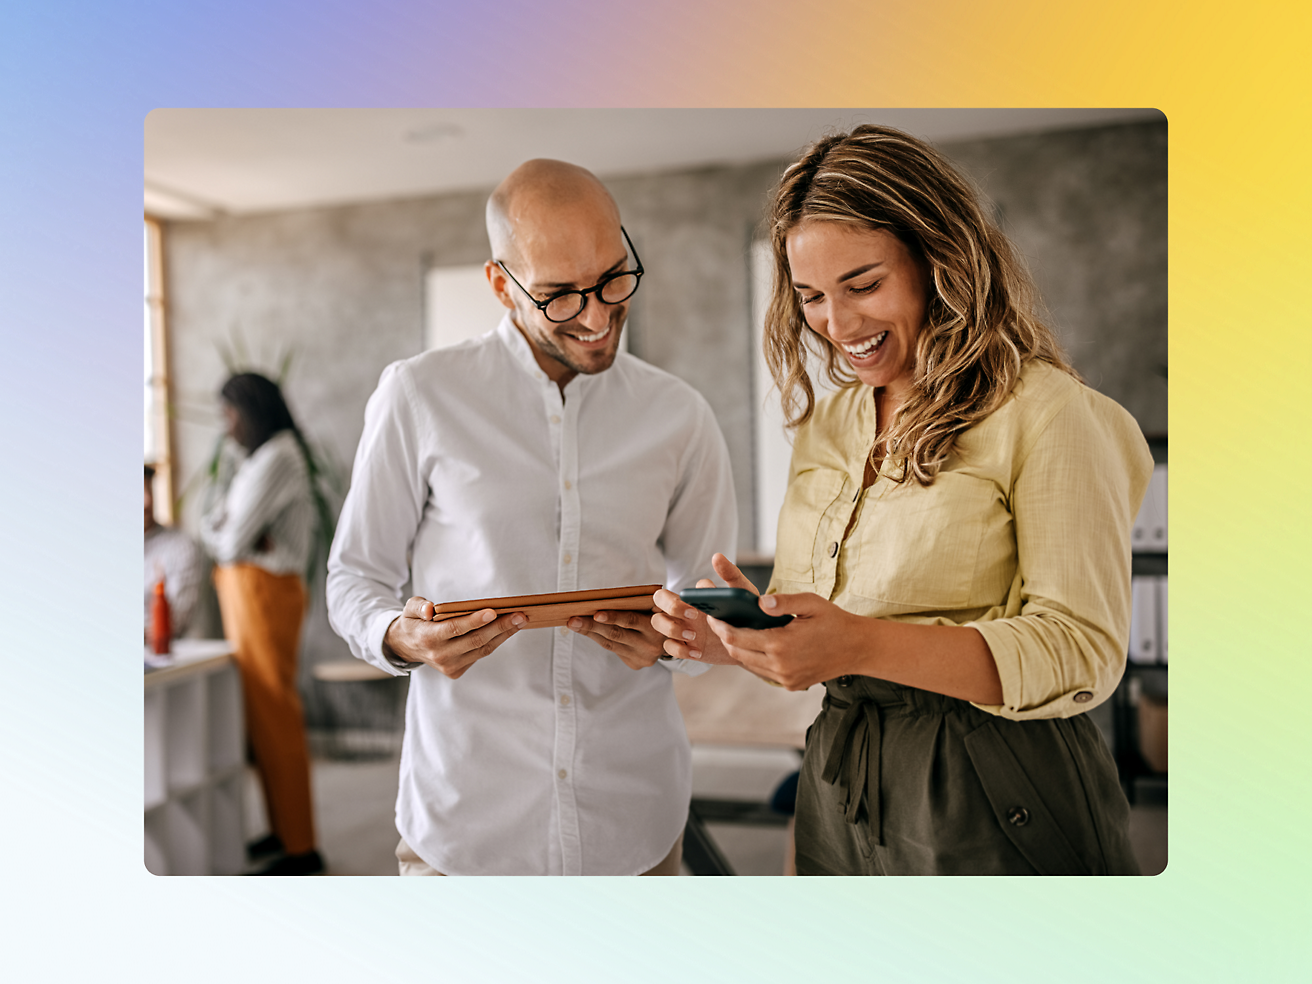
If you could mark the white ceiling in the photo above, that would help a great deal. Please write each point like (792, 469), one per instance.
(203, 163)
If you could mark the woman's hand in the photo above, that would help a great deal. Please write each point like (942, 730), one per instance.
(685, 628)
(821, 642)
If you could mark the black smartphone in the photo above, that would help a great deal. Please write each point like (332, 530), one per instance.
(737, 606)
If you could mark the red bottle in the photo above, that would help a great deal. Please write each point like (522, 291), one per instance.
(161, 624)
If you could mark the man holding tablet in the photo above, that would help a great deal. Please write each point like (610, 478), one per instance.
(534, 459)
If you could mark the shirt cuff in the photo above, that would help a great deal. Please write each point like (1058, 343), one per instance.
(1007, 651)
(688, 667)
(378, 656)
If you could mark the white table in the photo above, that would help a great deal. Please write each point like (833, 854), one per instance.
(194, 767)
(726, 705)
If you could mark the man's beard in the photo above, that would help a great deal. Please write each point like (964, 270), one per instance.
(601, 359)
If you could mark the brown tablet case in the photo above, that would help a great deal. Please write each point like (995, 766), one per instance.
(548, 610)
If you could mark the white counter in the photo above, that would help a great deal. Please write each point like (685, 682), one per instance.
(194, 766)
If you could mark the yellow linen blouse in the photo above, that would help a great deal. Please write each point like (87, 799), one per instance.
(1024, 535)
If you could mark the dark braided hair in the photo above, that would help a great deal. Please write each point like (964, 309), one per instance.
(261, 410)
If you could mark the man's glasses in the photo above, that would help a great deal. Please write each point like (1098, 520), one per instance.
(569, 304)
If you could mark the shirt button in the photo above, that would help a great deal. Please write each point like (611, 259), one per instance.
(555, 418)
(562, 773)
(1018, 816)
(1084, 696)
(564, 700)
(845, 681)
(568, 558)
(568, 484)
(564, 631)
(833, 549)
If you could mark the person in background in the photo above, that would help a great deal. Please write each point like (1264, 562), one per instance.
(259, 528)
(954, 543)
(173, 556)
(537, 458)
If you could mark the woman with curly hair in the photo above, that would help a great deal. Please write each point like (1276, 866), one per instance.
(954, 543)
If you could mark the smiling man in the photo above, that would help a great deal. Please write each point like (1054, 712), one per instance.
(536, 458)
(559, 227)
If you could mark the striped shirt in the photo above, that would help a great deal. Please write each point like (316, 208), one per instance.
(268, 494)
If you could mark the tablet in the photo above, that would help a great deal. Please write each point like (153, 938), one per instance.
(550, 610)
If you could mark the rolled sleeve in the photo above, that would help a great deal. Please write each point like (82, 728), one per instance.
(1060, 644)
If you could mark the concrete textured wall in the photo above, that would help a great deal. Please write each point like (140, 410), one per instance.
(1088, 210)
(340, 290)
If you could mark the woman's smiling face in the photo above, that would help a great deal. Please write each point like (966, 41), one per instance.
(865, 292)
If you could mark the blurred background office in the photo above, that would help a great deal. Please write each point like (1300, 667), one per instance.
(318, 246)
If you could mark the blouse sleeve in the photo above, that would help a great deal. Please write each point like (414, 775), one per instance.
(1061, 646)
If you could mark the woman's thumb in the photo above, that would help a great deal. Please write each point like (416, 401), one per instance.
(789, 604)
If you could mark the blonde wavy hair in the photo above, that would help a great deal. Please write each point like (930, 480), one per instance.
(981, 324)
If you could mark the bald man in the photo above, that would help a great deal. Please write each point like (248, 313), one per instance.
(536, 458)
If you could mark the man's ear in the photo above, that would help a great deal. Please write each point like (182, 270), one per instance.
(500, 284)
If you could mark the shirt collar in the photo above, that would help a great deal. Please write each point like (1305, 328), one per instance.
(519, 348)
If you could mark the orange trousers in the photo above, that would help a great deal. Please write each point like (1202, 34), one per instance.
(262, 616)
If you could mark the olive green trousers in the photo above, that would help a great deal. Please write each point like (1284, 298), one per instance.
(900, 781)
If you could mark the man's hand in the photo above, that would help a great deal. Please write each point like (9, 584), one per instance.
(452, 646)
(629, 635)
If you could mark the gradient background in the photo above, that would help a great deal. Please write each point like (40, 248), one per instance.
(76, 81)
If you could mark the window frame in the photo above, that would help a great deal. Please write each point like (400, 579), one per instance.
(156, 313)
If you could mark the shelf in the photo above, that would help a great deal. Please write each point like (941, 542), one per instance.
(194, 767)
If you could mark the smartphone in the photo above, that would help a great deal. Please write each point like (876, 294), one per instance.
(737, 606)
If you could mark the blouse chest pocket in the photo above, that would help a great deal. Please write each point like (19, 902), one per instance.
(920, 548)
(810, 496)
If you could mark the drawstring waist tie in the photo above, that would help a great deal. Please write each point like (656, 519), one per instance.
(855, 754)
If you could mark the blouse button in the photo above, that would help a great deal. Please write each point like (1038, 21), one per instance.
(833, 549)
(1083, 697)
(1018, 816)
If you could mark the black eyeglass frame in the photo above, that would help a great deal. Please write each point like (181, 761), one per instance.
(583, 294)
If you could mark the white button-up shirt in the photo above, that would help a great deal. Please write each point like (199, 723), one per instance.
(475, 478)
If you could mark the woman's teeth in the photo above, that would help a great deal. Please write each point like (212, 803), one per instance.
(866, 347)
